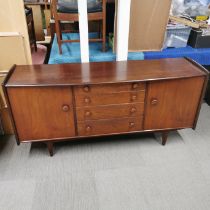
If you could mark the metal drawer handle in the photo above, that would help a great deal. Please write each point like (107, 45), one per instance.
(65, 108)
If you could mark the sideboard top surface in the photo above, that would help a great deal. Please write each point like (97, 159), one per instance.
(102, 72)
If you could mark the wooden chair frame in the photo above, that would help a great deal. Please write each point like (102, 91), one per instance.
(30, 21)
(100, 16)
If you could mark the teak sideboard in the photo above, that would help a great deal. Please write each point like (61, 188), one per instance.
(50, 103)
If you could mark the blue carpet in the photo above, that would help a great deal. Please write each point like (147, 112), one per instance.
(201, 55)
(71, 51)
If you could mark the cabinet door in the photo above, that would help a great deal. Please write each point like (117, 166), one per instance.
(172, 103)
(42, 112)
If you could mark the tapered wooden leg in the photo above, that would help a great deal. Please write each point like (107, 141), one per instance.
(58, 34)
(99, 29)
(164, 137)
(50, 148)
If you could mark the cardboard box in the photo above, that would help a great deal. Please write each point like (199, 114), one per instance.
(148, 21)
(13, 50)
(13, 23)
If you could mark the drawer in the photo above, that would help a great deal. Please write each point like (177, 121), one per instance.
(110, 88)
(110, 111)
(112, 98)
(96, 127)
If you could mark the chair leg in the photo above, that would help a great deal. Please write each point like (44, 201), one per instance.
(61, 37)
(104, 35)
(58, 34)
(99, 29)
(104, 38)
(34, 35)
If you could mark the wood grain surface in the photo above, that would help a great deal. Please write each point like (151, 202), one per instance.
(110, 88)
(41, 112)
(70, 101)
(93, 127)
(112, 98)
(172, 104)
(103, 72)
(110, 111)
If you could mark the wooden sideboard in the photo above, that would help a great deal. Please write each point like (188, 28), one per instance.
(51, 103)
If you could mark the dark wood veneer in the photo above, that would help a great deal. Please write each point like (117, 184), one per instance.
(204, 88)
(102, 72)
(50, 103)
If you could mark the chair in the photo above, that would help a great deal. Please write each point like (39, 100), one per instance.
(30, 24)
(67, 10)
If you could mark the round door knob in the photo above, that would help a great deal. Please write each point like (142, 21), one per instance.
(87, 113)
(86, 89)
(65, 108)
(134, 97)
(154, 101)
(135, 85)
(131, 124)
(87, 100)
(88, 128)
(133, 110)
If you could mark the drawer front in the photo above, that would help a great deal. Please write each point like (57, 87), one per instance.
(110, 111)
(99, 127)
(110, 88)
(112, 98)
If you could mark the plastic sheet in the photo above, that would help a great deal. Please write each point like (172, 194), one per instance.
(177, 37)
(190, 7)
